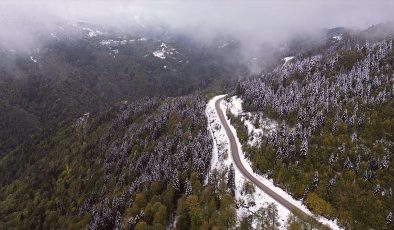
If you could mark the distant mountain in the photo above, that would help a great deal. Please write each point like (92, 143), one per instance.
(380, 31)
(79, 67)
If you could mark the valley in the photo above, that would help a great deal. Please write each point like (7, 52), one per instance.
(196, 115)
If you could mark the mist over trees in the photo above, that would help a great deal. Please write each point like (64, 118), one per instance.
(103, 122)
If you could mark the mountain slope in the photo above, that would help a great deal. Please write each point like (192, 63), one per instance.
(79, 68)
(334, 144)
(117, 168)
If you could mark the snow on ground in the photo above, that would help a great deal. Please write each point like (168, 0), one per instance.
(160, 54)
(108, 42)
(33, 59)
(163, 51)
(221, 159)
(338, 37)
(287, 59)
(111, 42)
(112, 46)
(92, 33)
(266, 126)
(234, 106)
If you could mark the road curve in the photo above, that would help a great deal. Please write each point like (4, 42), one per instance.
(237, 161)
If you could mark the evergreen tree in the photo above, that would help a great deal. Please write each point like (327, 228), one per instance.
(231, 179)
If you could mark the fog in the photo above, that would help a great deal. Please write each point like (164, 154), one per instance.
(267, 21)
(253, 22)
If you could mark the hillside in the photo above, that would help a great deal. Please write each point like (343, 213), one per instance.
(333, 143)
(232, 122)
(79, 68)
(131, 164)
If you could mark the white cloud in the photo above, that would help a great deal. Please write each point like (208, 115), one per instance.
(252, 21)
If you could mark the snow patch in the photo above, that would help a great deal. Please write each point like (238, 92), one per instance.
(33, 59)
(111, 42)
(287, 59)
(266, 126)
(159, 54)
(163, 51)
(112, 45)
(338, 37)
(92, 33)
(234, 106)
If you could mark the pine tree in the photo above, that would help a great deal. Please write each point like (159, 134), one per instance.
(188, 187)
(304, 147)
(231, 179)
(118, 224)
(389, 219)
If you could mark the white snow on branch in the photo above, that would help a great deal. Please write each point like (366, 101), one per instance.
(235, 102)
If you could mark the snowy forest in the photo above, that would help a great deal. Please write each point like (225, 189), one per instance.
(212, 115)
(145, 156)
(334, 143)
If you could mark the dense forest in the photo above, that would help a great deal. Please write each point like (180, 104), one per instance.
(334, 144)
(96, 132)
(132, 166)
(77, 69)
(106, 129)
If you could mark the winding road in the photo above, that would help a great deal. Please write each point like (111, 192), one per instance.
(237, 161)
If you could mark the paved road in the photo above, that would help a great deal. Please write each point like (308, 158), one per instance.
(247, 174)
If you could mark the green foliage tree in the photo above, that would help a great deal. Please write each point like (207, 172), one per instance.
(195, 212)
(160, 216)
(182, 213)
(227, 212)
(141, 225)
(268, 217)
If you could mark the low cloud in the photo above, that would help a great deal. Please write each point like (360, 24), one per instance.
(253, 22)
(266, 20)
